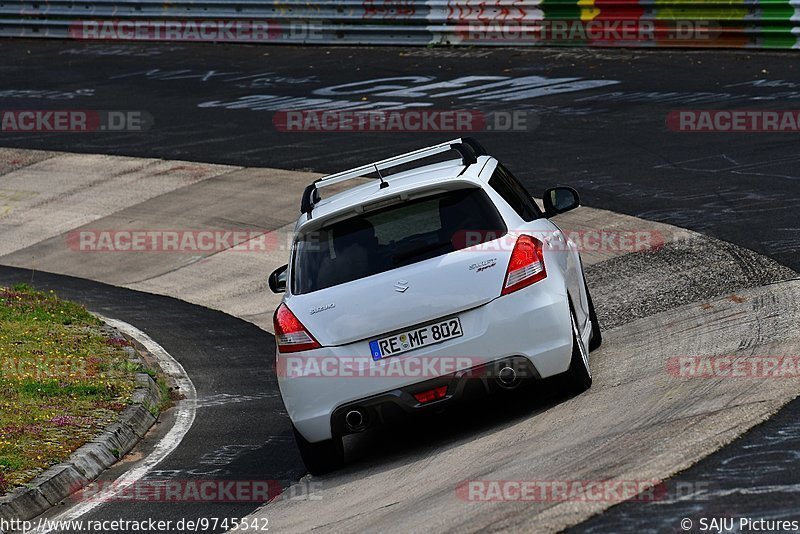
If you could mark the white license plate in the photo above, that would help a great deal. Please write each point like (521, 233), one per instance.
(423, 336)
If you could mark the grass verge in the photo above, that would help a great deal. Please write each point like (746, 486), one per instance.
(63, 379)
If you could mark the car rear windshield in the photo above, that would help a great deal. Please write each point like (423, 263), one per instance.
(392, 237)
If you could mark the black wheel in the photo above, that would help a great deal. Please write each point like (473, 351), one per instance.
(597, 337)
(578, 377)
(322, 457)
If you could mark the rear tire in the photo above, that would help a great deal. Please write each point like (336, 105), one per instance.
(321, 457)
(597, 337)
(578, 377)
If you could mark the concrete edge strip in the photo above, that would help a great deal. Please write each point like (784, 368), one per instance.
(48, 156)
(89, 460)
(116, 440)
(584, 221)
(184, 419)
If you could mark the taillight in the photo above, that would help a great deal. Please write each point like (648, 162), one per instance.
(290, 334)
(526, 265)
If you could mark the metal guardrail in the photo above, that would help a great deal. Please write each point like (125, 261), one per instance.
(690, 23)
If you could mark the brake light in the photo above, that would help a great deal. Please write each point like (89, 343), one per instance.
(431, 395)
(290, 334)
(526, 265)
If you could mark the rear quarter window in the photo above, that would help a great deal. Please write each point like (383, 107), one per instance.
(514, 193)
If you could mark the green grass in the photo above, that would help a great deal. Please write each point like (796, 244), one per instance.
(62, 381)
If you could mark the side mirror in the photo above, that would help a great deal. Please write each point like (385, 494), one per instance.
(277, 280)
(560, 199)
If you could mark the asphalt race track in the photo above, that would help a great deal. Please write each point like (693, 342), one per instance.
(610, 141)
(604, 133)
(240, 433)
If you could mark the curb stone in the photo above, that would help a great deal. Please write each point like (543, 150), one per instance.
(87, 462)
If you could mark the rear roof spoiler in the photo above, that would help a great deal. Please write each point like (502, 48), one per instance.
(467, 147)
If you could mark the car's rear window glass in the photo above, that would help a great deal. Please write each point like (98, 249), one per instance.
(392, 237)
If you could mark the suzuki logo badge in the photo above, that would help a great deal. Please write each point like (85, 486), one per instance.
(401, 286)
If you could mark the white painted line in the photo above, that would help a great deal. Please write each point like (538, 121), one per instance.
(186, 411)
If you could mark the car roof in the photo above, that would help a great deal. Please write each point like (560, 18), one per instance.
(410, 180)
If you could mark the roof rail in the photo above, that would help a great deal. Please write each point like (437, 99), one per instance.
(468, 147)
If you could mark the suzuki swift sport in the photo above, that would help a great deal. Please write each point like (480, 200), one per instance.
(415, 289)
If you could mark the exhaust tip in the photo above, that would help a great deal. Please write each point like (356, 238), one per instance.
(507, 377)
(355, 420)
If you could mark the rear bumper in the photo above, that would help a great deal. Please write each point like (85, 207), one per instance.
(532, 324)
(462, 385)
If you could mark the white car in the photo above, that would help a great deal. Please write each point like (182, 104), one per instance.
(422, 287)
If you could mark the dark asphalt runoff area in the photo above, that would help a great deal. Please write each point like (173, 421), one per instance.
(593, 119)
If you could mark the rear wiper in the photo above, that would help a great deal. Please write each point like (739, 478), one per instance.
(422, 249)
